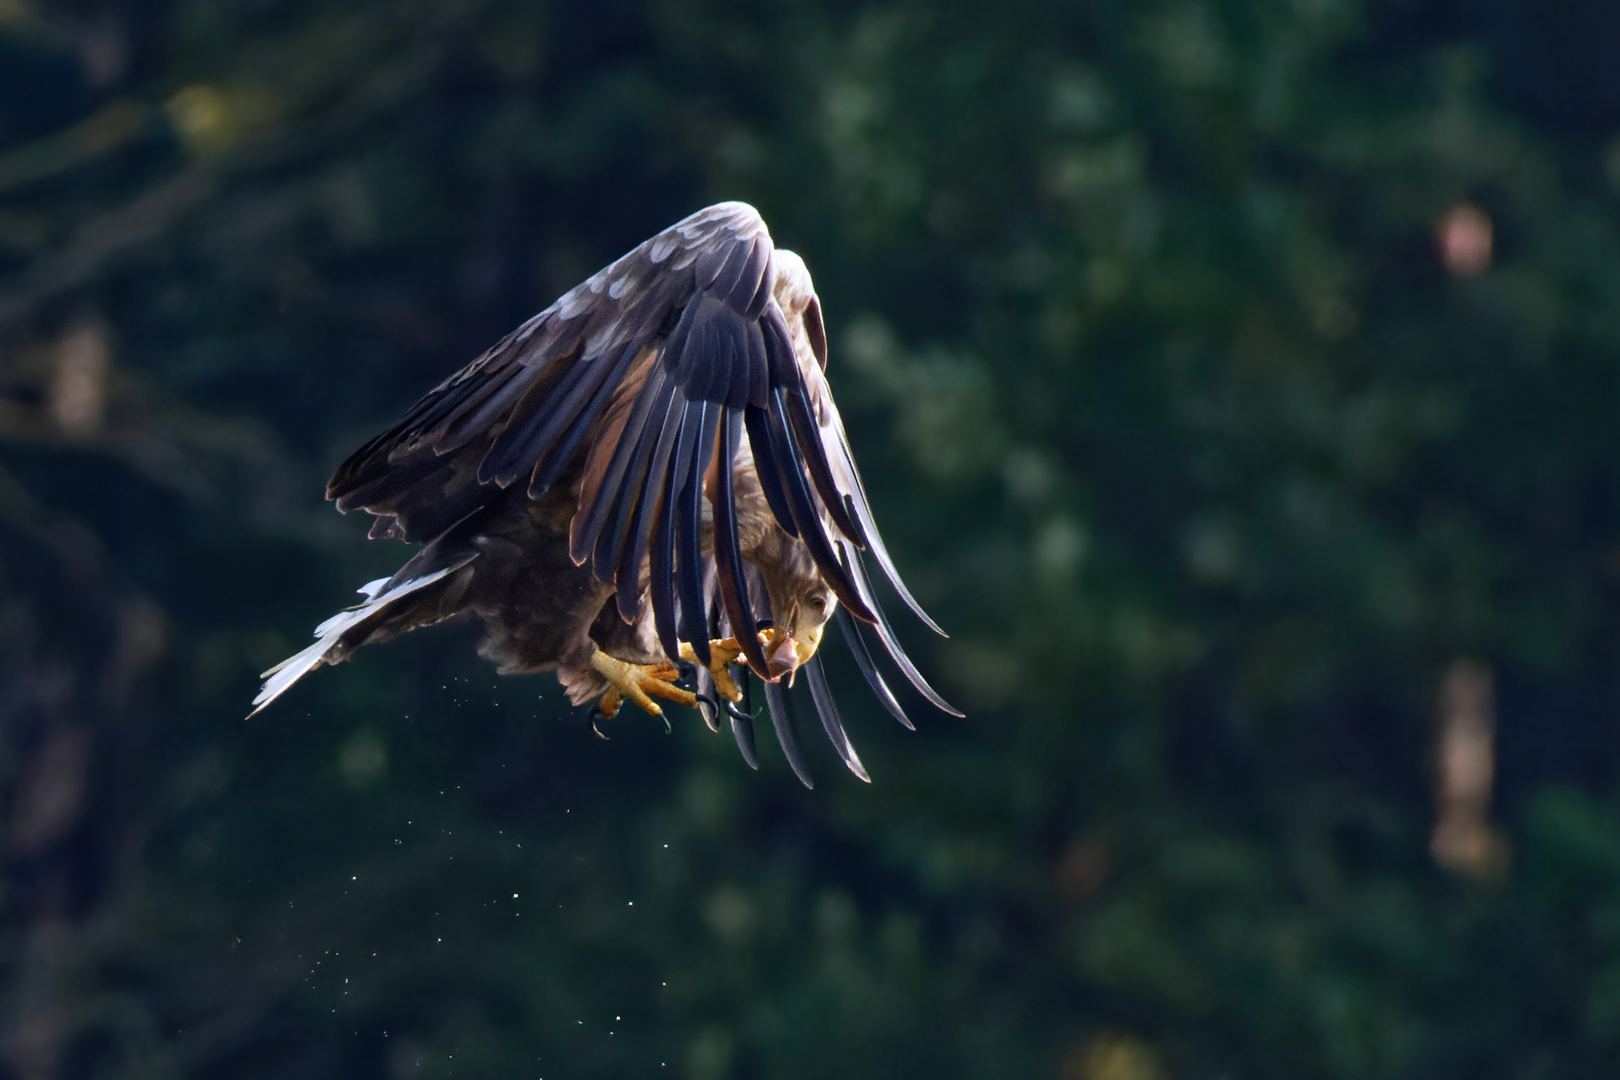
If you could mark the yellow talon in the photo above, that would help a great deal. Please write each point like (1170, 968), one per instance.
(721, 654)
(636, 682)
(640, 683)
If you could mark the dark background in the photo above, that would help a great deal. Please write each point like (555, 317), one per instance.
(1229, 477)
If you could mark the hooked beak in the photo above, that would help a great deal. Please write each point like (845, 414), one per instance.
(785, 655)
(784, 658)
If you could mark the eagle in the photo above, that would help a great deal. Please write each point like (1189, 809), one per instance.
(647, 489)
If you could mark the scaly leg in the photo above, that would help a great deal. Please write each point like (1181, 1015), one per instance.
(721, 654)
(637, 682)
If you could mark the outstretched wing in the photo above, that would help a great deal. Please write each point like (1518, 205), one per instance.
(539, 391)
(652, 382)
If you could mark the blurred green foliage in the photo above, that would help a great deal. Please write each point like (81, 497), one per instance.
(1180, 400)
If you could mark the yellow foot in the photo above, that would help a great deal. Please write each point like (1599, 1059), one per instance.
(637, 682)
(721, 654)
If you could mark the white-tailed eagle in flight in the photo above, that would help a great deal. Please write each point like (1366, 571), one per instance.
(642, 488)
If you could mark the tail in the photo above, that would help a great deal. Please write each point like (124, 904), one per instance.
(329, 635)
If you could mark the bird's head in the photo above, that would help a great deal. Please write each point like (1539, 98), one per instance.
(801, 602)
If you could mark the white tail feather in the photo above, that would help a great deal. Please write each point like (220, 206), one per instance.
(279, 678)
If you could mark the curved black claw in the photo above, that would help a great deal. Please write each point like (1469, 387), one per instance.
(737, 714)
(595, 715)
(710, 709)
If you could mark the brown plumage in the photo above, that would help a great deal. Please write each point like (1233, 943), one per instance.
(651, 468)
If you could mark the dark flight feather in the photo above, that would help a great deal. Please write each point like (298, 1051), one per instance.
(661, 547)
(646, 497)
(633, 450)
(807, 438)
(542, 413)
(792, 474)
(692, 463)
(767, 465)
(827, 709)
(862, 509)
(890, 643)
(779, 703)
(730, 581)
(869, 670)
(553, 447)
(742, 731)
